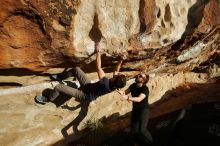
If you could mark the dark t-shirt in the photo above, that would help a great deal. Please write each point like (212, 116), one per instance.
(136, 91)
(99, 88)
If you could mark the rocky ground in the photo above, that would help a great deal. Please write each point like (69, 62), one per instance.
(25, 120)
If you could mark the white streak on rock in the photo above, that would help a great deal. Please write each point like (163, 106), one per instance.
(191, 53)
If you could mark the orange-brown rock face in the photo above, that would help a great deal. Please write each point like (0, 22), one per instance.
(209, 20)
(31, 34)
(21, 37)
(41, 34)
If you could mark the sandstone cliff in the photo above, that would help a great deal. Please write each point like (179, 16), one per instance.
(176, 42)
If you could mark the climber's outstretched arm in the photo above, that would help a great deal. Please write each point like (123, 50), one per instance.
(100, 71)
(117, 68)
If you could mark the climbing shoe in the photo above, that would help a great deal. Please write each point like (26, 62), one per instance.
(41, 99)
